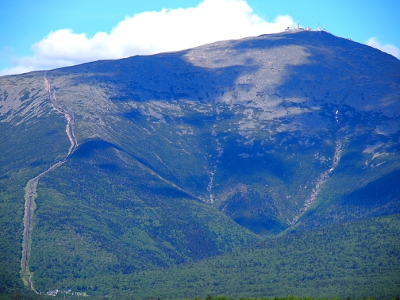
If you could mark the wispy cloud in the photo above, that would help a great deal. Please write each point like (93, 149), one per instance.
(149, 33)
(388, 48)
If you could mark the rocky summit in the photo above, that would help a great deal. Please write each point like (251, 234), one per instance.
(149, 162)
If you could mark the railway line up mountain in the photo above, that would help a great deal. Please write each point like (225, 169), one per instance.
(70, 118)
(195, 157)
(31, 194)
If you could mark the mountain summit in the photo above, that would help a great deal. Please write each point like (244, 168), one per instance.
(153, 161)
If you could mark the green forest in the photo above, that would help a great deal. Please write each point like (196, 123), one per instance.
(335, 261)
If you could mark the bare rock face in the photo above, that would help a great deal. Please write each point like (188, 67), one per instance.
(276, 132)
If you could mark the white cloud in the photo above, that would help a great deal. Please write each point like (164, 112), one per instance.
(149, 33)
(388, 48)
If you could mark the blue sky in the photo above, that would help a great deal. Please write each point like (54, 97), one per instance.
(45, 34)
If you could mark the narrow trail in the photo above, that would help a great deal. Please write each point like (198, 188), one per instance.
(30, 190)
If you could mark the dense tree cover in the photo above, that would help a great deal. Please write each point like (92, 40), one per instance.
(356, 260)
(70, 295)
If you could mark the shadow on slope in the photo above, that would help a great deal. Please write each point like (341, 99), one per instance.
(379, 192)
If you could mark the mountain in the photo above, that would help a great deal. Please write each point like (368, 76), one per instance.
(113, 168)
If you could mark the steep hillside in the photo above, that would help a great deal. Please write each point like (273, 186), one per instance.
(153, 161)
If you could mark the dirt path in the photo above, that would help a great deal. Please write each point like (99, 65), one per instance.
(30, 191)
